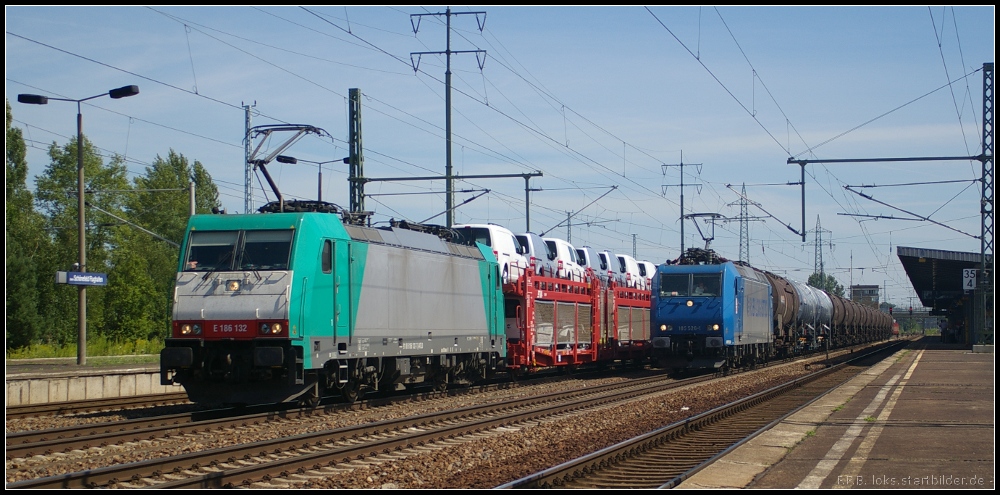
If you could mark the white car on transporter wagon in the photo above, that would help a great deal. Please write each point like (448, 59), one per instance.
(567, 263)
(647, 269)
(541, 258)
(510, 255)
(628, 272)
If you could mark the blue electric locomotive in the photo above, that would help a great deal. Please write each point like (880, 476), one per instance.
(708, 312)
(710, 316)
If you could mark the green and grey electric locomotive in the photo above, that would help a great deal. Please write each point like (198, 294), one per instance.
(300, 306)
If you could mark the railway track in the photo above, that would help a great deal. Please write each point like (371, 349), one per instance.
(80, 437)
(667, 456)
(84, 436)
(94, 405)
(246, 464)
(158, 472)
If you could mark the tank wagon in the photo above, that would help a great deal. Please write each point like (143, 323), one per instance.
(299, 306)
(708, 312)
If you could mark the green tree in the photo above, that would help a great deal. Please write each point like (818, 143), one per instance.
(141, 268)
(162, 200)
(25, 239)
(159, 203)
(826, 283)
(134, 304)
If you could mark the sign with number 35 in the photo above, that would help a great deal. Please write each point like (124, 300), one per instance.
(969, 279)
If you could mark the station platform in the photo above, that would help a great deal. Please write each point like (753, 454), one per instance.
(920, 419)
(40, 381)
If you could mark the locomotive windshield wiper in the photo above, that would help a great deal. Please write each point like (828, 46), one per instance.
(215, 268)
(249, 265)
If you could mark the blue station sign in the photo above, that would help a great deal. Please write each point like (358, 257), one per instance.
(82, 278)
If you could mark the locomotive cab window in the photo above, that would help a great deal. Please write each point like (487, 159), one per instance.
(706, 284)
(674, 285)
(266, 250)
(211, 251)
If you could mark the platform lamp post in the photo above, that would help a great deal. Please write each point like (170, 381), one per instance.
(291, 160)
(122, 92)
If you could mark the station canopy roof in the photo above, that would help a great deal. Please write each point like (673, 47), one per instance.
(936, 275)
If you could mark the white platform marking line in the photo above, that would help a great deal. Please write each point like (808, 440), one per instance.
(825, 466)
(861, 455)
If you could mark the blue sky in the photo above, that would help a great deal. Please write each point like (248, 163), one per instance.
(597, 99)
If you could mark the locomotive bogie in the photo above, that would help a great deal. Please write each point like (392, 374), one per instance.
(214, 371)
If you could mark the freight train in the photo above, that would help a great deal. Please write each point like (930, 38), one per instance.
(711, 313)
(294, 305)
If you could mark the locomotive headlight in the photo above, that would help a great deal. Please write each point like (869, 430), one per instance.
(271, 328)
(233, 285)
(714, 327)
(663, 328)
(189, 329)
(690, 303)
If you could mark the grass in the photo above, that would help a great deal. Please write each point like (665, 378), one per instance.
(870, 419)
(842, 405)
(136, 359)
(99, 351)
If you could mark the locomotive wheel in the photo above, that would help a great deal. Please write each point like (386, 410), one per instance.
(310, 402)
(440, 385)
(350, 392)
(516, 373)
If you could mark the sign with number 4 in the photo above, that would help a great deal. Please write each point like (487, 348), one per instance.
(968, 279)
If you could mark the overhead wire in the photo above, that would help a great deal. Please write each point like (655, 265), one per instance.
(185, 23)
(809, 149)
(509, 117)
(553, 140)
